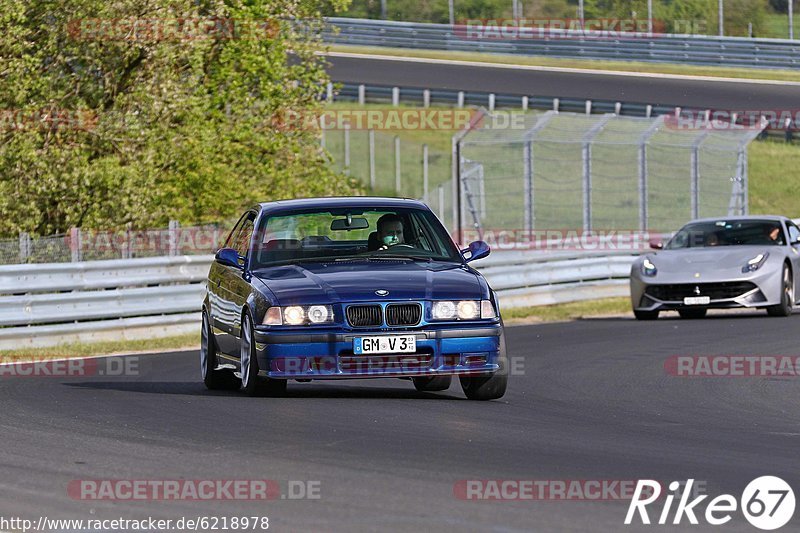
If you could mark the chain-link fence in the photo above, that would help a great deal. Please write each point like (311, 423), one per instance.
(92, 245)
(590, 172)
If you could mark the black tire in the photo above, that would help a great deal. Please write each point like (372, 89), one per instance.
(222, 379)
(787, 296)
(252, 383)
(645, 315)
(432, 384)
(692, 313)
(488, 386)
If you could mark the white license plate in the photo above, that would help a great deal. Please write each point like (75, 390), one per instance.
(697, 300)
(377, 345)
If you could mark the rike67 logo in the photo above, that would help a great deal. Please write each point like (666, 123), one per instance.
(767, 503)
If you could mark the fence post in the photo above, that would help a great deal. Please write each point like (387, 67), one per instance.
(362, 97)
(527, 171)
(694, 186)
(460, 99)
(643, 168)
(426, 98)
(491, 101)
(24, 247)
(127, 249)
(586, 155)
(329, 92)
(395, 96)
(745, 185)
(524, 103)
(555, 104)
(173, 238)
(372, 159)
(75, 244)
(347, 148)
(441, 202)
(397, 179)
(588, 106)
(425, 173)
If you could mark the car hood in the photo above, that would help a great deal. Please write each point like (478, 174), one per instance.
(353, 281)
(704, 259)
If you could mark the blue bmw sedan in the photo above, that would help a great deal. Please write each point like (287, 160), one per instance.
(337, 288)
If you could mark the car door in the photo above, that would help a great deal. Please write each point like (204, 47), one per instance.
(234, 289)
(794, 243)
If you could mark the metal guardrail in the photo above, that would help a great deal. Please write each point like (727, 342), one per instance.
(50, 304)
(669, 48)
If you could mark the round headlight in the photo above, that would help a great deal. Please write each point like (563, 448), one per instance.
(468, 310)
(444, 310)
(294, 315)
(318, 314)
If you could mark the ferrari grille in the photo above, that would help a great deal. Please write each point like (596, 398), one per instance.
(715, 291)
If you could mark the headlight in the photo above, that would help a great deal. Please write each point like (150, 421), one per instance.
(444, 310)
(755, 263)
(463, 310)
(648, 268)
(297, 315)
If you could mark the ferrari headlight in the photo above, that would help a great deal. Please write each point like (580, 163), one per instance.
(755, 263)
(298, 315)
(648, 268)
(444, 310)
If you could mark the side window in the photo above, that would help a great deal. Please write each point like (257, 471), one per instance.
(231, 240)
(794, 233)
(242, 241)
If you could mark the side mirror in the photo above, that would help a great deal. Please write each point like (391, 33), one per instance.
(656, 245)
(477, 250)
(229, 257)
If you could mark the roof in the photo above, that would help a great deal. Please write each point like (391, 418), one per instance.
(338, 202)
(774, 218)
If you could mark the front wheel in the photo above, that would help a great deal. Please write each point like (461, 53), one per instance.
(787, 296)
(252, 383)
(488, 386)
(213, 378)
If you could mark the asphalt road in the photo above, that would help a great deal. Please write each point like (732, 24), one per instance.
(508, 80)
(590, 401)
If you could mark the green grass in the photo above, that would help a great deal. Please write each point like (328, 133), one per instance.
(773, 175)
(103, 348)
(776, 26)
(568, 311)
(622, 66)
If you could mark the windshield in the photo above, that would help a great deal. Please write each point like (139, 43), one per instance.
(728, 233)
(347, 234)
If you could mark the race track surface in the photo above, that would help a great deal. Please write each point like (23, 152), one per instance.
(590, 400)
(734, 96)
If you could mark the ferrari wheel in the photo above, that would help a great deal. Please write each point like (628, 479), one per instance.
(787, 296)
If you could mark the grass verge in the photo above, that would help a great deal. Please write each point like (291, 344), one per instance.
(588, 64)
(568, 311)
(103, 348)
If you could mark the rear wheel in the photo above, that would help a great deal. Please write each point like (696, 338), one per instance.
(252, 383)
(432, 384)
(488, 386)
(787, 296)
(645, 315)
(692, 313)
(213, 378)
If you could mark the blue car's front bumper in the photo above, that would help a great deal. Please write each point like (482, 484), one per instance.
(324, 354)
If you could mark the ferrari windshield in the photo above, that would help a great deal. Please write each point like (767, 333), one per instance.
(352, 233)
(728, 233)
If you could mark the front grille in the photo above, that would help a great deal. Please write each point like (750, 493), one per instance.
(403, 314)
(715, 291)
(361, 316)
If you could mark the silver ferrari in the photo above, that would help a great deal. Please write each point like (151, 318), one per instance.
(720, 263)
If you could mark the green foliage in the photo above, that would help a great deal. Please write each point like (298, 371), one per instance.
(183, 126)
